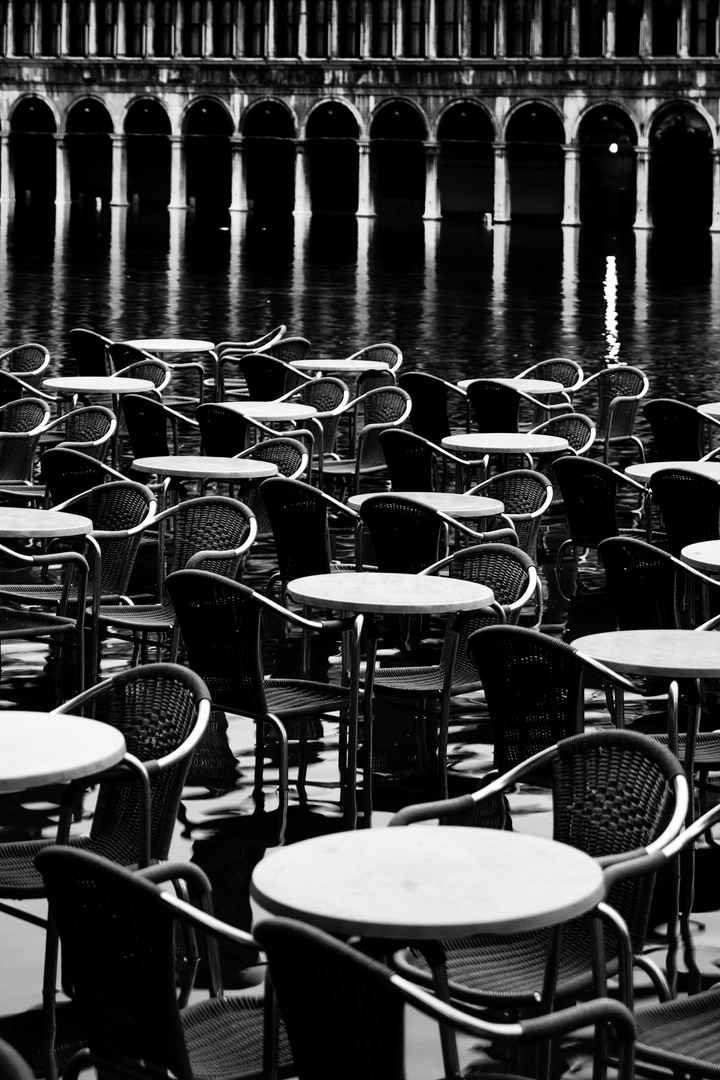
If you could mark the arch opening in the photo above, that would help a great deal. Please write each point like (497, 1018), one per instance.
(681, 168)
(607, 166)
(397, 159)
(32, 151)
(147, 127)
(269, 158)
(466, 138)
(535, 138)
(89, 151)
(208, 155)
(332, 134)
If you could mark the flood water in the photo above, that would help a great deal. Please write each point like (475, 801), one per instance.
(458, 298)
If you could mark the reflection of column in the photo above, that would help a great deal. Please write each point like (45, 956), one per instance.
(643, 215)
(501, 208)
(239, 186)
(610, 29)
(7, 187)
(174, 275)
(361, 307)
(715, 223)
(178, 179)
(642, 320)
(366, 201)
(500, 251)
(571, 212)
(571, 244)
(119, 171)
(303, 202)
(63, 190)
(432, 190)
(117, 279)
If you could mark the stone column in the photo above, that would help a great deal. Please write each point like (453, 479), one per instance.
(177, 41)
(239, 185)
(432, 185)
(334, 32)
(646, 29)
(610, 30)
(397, 30)
(207, 46)
(501, 31)
(119, 171)
(270, 42)
(501, 202)
(575, 29)
(122, 28)
(150, 30)
(302, 29)
(464, 29)
(684, 35)
(7, 185)
(643, 214)
(715, 223)
(571, 210)
(178, 178)
(536, 28)
(431, 31)
(366, 201)
(303, 202)
(63, 189)
(92, 29)
(10, 30)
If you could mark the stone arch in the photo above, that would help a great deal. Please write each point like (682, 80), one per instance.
(466, 134)
(207, 128)
(398, 130)
(607, 136)
(269, 130)
(534, 134)
(332, 132)
(88, 130)
(33, 125)
(681, 184)
(147, 129)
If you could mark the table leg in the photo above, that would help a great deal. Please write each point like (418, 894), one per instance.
(371, 636)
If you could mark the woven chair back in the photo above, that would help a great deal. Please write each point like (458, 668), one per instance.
(28, 361)
(409, 458)
(67, 473)
(89, 430)
(90, 351)
(429, 416)
(677, 429)
(222, 433)
(646, 586)
(619, 381)
(689, 506)
(115, 508)
(298, 517)
(405, 535)
(495, 407)
(589, 493)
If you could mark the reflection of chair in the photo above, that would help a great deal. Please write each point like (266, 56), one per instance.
(210, 533)
(118, 933)
(614, 792)
(220, 622)
(88, 430)
(619, 389)
(429, 394)
(90, 351)
(416, 464)
(339, 1005)
(526, 495)
(380, 409)
(678, 429)
(28, 361)
(689, 506)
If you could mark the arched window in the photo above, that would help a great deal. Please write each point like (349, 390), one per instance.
(164, 26)
(350, 23)
(24, 43)
(382, 13)
(519, 27)
(556, 28)
(318, 27)
(665, 19)
(483, 18)
(448, 18)
(223, 25)
(135, 29)
(703, 27)
(627, 27)
(193, 28)
(50, 28)
(78, 37)
(592, 22)
(107, 28)
(415, 21)
(255, 27)
(287, 17)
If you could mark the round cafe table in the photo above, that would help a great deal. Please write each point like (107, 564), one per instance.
(455, 505)
(45, 748)
(527, 386)
(420, 884)
(704, 555)
(202, 467)
(271, 410)
(347, 366)
(98, 384)
(643, 471)
(171, 346)
(41, 524)
(504, 442)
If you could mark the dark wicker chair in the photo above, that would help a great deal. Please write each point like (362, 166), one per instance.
(383, 352)
(558, 369)
(689, 506)
(90, 351)
(224, 433)
(119, 939)
(150, 367)
(13, 1065)
(22, 423)
(129, 360)
(526, 495)
(162, 711)
(620, 388)
(293, 462)
(429, 394)
(212, 533)
(221, 626)
(12, 387)
(678, 429)
(414, 463)
(268, 377)
(65, 473)
(229, 353)
(88, 430)
(340, 1005)
(495, 406)
(29, 362)
(578, 429)
(380, 409)
(614, 793)
(328, 396)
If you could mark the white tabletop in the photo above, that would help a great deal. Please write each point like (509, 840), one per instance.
(38, 749)
(456, 505)
(674, 654)
(99, 384)
(421, 883)
(711, 408)
(25, 521)
(528, 386)
(271, 410)
(171, 345)
(408, 594)
(347, 365)
(704, 555)
(644, 471)
(504, 442)
(193, 466)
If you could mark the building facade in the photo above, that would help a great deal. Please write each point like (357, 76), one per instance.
(572, 110)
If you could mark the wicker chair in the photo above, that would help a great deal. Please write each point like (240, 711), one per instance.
(512, 576)
(220, 622)
(292, 460)
(12, 387)
(414, 463)
(88, 430)
(383, 352)
(614, 793)
(124, 980)
(162, 711)
(380, 409)
(429, 394)
(339, 1005)
(268, 377)
(578, 429)
(558, 369)
(65, 473)
(29, 362)
(620, 388)
(130, 361)
(153, 429)
(229, 353)
(224, 433)
(212, 533)
(526, 496)
(90, 351)
(328, 396)
(678, 429)
(689, 506)
(22, 424)
(495, 406)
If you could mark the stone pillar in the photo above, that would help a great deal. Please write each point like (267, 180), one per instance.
(501, 202)
(501, 32)
(643, 213)
(464, 29)
(334, 32)
(432, 185)
(302, 30)
(270, 42)
(177, 41)
(7, 185)
(239, 185)
(610, 30)
(366, 201)
(398, 30)
(178, 178)
(646, 29)
(119, 171)
(575, 29)
(64, 29)
(715, 223)
(431, 31)
(684, 35)
(303, 202)
(10, 30)
(92, 29)
(122, 27)
(571, 210)
(63, 188)
(208, 40)
(150, 30)
(536, 28)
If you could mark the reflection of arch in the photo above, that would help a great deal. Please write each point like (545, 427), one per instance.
(268, 129)
(332, 132)
(535, 134)
(397, 132)
(207, 127)
(680, 166)
(88, 126)
(466, 135)
(32, 149)
(607, 139)
(147, 127)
